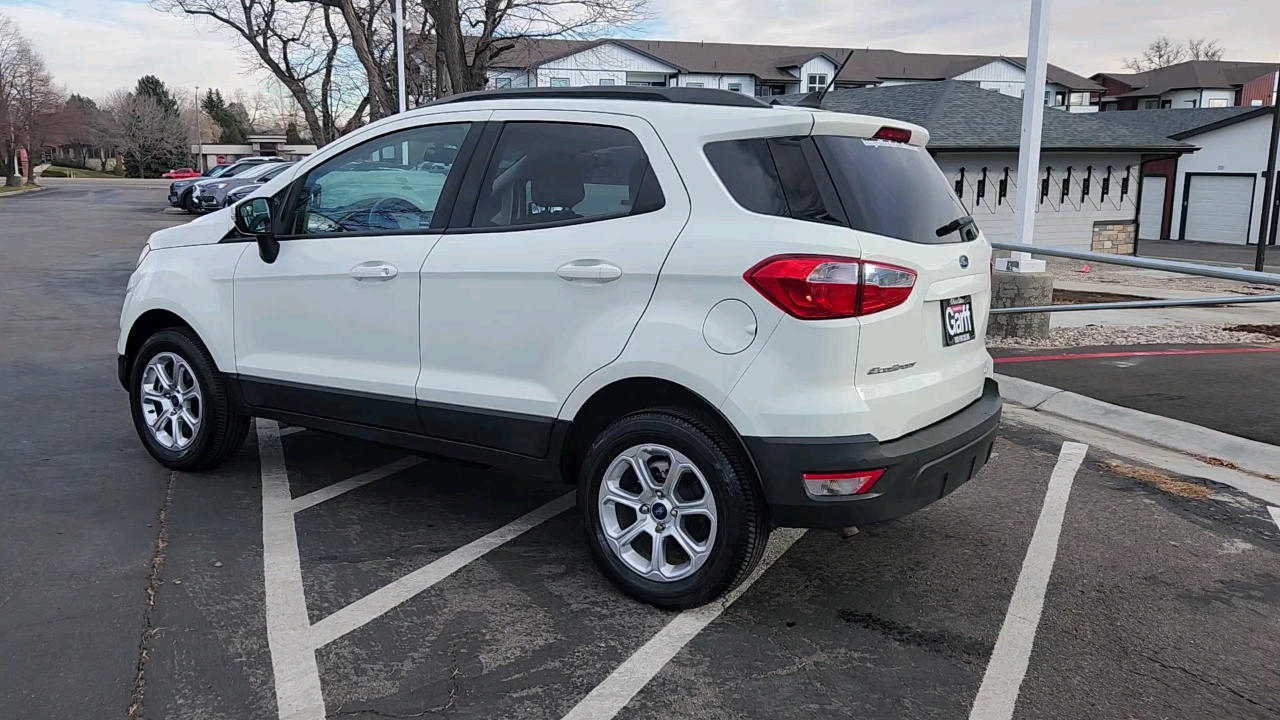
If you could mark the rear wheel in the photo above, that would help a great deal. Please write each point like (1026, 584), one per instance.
(671, 513)
(189, 204)
(180, 405)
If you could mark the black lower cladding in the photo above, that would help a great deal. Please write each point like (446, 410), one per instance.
(517, 433)
(920, 468)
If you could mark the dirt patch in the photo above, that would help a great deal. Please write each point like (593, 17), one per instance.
(1271, 330)
(1079, 297)
(1162, 482)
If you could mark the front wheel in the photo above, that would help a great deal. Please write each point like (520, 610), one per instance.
(180, 405)
(672, 515)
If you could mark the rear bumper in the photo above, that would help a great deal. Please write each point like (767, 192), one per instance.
(921, 467)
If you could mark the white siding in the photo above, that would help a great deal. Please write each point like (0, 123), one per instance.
(818, 65)
(518, 78)
(1239, 148)
(1058, 224)
(1181, 99)
(1002, 76)
(608, 57)
(720, 82)
(579, 78)
(1227, 95)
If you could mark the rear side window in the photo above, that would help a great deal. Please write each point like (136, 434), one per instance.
(891, 189)
(771, 176)
(545, 173)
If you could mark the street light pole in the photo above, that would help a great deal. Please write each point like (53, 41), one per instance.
(404, 101)
(1269, 185)
(199, 139)
(1029, 146)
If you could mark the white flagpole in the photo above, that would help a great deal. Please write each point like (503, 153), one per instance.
(400, 53)
(1029, 148)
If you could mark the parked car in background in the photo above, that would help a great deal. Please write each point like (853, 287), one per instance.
(180, 190)
(212, 195)
(235, 195)
(182, 174)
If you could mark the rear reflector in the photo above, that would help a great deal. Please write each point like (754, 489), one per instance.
(822, 287)
(837, 484)
(893, 134)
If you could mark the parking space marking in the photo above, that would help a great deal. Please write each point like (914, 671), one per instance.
(388, 597)
(290, 430)
(629, 678)
(330, 492)
(1008, 665)
(293, 658)
(1275, 514)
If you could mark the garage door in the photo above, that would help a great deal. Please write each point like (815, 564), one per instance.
(1218, 208)
(1152, 214)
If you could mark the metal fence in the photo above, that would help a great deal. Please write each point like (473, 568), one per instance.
(1176, 266)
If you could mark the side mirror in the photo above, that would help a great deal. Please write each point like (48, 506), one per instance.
(253, 217)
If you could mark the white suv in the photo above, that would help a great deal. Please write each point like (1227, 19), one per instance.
(712, 315)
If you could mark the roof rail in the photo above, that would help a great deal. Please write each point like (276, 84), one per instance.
(685, 95)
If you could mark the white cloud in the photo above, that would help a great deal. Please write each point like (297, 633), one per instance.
(96, 46)
(1087, 36)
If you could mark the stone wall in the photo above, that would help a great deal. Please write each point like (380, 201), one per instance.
(1019, 289)
(1114, 237)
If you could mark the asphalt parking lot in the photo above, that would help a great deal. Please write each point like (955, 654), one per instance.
(387, 586)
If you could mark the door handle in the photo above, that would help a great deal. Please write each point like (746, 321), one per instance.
(594, 270)
(374, 271)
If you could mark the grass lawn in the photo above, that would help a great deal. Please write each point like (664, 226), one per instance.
(6, 189)
(62, 172)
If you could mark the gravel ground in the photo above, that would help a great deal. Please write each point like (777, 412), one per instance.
(1091, 335)
(1073, 270)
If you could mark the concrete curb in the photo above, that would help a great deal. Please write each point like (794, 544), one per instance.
(23, 191)
(1249, 455)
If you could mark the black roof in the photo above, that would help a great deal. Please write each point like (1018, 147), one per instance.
(963, 117)
(691, 96)
(1182, 123)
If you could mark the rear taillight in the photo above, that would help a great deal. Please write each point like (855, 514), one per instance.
(836, 484)
(893, 134)
(821, 287)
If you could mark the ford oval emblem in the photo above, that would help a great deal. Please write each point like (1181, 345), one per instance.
(964, 261)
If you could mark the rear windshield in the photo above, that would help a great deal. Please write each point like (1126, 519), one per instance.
(891, 189)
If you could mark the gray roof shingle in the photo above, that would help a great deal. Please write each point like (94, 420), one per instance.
(962, 117)
(1181, 123)
(870, 65)
(1192, 74)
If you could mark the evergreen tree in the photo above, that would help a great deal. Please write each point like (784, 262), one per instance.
(292, 136)
(231, 119)
(153, 87)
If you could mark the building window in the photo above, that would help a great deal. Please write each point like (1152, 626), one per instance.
(1191, 103)
(1166, 104)
(502, 82)
(606, 81)
(694, 84)
(1150, 104)
(1217, 102)
(559, 82)
(817, 81)
(735, 87)
(1079, 98)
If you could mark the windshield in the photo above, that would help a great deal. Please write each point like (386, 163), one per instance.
(891, 189)
(218, 171)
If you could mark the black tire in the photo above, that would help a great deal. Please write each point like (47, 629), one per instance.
(221, 431)
(189, 203)
(742, 516)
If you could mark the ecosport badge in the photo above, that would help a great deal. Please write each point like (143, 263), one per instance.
(890, 368)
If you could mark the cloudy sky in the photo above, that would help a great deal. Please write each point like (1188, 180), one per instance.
(96, 46)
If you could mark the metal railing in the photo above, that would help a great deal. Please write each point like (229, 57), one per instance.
(1175, 266)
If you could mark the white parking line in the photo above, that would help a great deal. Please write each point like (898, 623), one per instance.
(388, 597)
(999, 691)
(293, 659)
(330, 492)
(610, 696)
(1275, 514)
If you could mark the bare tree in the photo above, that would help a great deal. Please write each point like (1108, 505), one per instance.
(12, 47)
(470, 34)
(300, 44)
(1205, 49)
(149, 137)
(1162, 52)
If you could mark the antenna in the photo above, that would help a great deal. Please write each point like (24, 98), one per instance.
(814, 99)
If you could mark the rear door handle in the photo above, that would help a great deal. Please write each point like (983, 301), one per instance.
(593, 270)
(374, 270)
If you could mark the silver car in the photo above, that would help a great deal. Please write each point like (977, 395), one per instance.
(212, 194)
